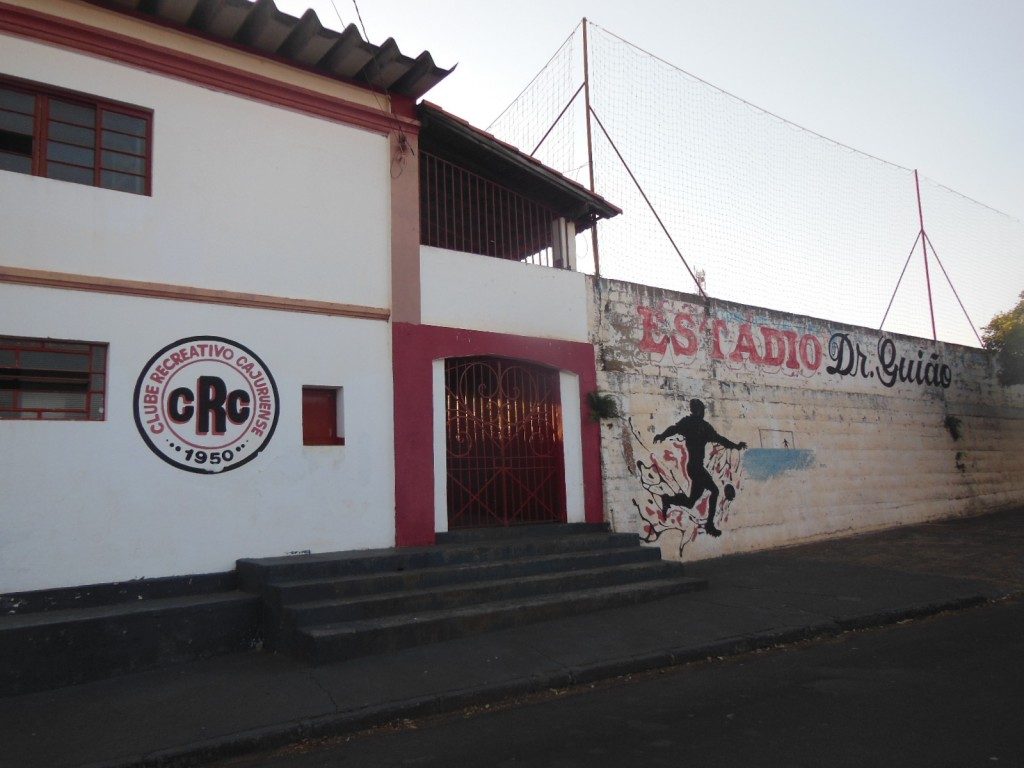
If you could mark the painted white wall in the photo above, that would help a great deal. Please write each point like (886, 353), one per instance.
(88, 502)
(196, 47)
(569, 389)
(464, 290)
(246, 197)
(440, 448)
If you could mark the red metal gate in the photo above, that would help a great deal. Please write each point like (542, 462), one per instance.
(505, 459)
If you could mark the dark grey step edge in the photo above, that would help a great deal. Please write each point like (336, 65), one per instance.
(116, 592)
(69, 617)
(255, 573)
(50, 653)
(474, 593)
(466, 535)
(286, 593)
(361, 638)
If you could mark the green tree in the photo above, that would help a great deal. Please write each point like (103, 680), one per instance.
(1004, 335)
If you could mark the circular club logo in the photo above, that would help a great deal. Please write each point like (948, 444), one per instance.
(206, 404)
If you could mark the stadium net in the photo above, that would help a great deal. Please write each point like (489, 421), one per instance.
(763, 211)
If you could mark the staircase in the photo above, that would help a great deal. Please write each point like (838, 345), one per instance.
(340, 605)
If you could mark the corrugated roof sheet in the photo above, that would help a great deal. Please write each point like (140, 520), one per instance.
(261, 27)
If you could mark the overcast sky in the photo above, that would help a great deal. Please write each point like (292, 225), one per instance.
(932, 84)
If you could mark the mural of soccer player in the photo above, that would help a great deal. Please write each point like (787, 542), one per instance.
(696, 434)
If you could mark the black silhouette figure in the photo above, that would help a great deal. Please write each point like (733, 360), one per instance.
(697, 433)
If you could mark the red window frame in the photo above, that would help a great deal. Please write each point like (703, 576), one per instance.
(320, 421)
(15, 373)
(110, 143)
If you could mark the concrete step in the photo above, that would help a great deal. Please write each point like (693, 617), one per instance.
(133, 591)
(53, 648)
(255, 573)
(472, 535)
(335, 642)
(473, 593)
(285, 593)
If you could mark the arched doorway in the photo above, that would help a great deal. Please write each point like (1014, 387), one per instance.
(505, 458)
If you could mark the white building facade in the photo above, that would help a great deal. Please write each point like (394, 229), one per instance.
(234, 299)
(250, 209)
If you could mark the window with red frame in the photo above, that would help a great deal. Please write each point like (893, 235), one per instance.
(74, 137)
(52, 379)
(322, 416)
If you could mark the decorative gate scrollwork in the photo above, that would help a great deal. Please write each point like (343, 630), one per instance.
(504, 443)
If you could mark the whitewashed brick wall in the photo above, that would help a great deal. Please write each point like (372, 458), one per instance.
(828, 454)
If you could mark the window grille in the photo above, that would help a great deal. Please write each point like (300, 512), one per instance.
(462, 211)
(52, 379)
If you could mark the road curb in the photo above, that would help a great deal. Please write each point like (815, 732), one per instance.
(896, 615)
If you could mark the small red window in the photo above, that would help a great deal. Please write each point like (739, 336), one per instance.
(321, 416)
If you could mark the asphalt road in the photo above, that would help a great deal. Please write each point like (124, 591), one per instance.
(945, 691)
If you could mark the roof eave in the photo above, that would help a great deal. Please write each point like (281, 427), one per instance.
(589, 205)
(261, 28)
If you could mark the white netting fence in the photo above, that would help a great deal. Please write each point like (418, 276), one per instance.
(771, 213)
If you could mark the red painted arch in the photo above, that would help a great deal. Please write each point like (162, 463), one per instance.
(414, 349)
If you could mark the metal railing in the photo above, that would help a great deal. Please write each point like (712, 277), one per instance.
(463, 211)
(505, 459)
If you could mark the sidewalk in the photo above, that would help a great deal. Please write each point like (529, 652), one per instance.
(219, 707)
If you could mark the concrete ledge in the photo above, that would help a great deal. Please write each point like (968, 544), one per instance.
(56, 648)
(91, 595)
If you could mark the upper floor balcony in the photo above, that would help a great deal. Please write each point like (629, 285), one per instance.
(482, 196)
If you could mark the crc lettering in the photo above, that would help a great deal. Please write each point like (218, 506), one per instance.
(177, 413)
(211, 404)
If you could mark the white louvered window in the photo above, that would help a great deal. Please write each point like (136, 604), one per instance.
(52, 379)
